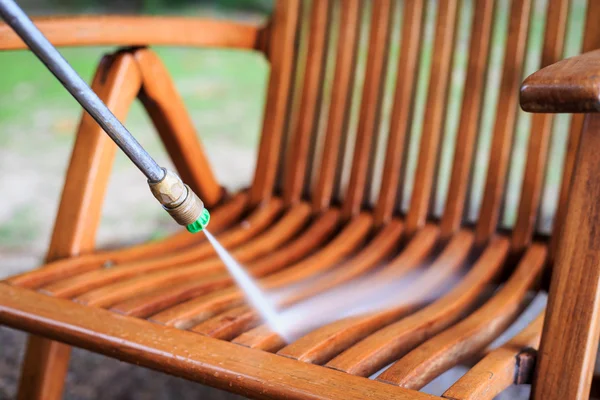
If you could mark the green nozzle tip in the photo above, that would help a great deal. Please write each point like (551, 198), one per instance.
(200, 223)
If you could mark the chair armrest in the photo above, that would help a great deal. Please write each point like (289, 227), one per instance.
(139, 31)
(568, 86)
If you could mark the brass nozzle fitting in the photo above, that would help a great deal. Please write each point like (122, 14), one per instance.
(178, 199)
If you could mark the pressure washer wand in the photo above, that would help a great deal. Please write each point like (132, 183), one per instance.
(176, 197)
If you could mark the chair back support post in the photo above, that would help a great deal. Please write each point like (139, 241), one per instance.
(570, 337)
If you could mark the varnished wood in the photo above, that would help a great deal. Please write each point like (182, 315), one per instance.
(97, 278)
(591, 41)
(541, 127)
(470, 116)
(151, 303)
(282, 55)
(395, 340)
(364, 261)
(370, 109)
(109, 30)
(341, 96)
(197, 310)
(310, 107)
(568, 86)
(324, 343)
(473, 333)
(412, 31)
(435, 110)
(248, 372)
(120, 290)
(301, 241)
(568, 350)
(505, 119)
(62, 269)
(511, 363)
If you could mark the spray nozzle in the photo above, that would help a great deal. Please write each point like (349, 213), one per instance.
(182, 204)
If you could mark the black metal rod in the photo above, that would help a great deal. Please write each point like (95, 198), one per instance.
(54, 61)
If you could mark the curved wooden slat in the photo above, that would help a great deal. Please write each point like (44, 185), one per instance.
(390, 343)
(227, 325)
(130, 31)
(230, 325)
(473, 333)
(501, 368)
(470, 116)
(283, 32)
(310, 107)
(324, 343)
(222, 217)
(506, 114)
(279, 233)
(541, 128)
(93, 279)
(261, 338)
(341, 96)
(224, 365)
(197, 310)
(412, 30)
(435, 110)
(371, 101)
(152, 302)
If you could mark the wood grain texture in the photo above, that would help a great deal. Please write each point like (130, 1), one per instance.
(591, 41)
(230, 367)
(511, 363)
(322, 344)
(473, 333)
(568, 86)
(570, 336)
(363, 262)
(132, 31)
(386, 345)
(395, 340)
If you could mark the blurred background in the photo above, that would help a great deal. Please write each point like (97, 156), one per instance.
(224, 93)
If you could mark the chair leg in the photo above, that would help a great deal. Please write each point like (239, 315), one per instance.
(570, 336)
(117, 82)
(44, 369)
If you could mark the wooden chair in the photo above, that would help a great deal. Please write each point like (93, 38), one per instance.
(342, 187)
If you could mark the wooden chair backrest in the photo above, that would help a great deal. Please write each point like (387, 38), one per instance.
(411, 107)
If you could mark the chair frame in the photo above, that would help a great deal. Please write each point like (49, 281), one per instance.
(567, 86)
